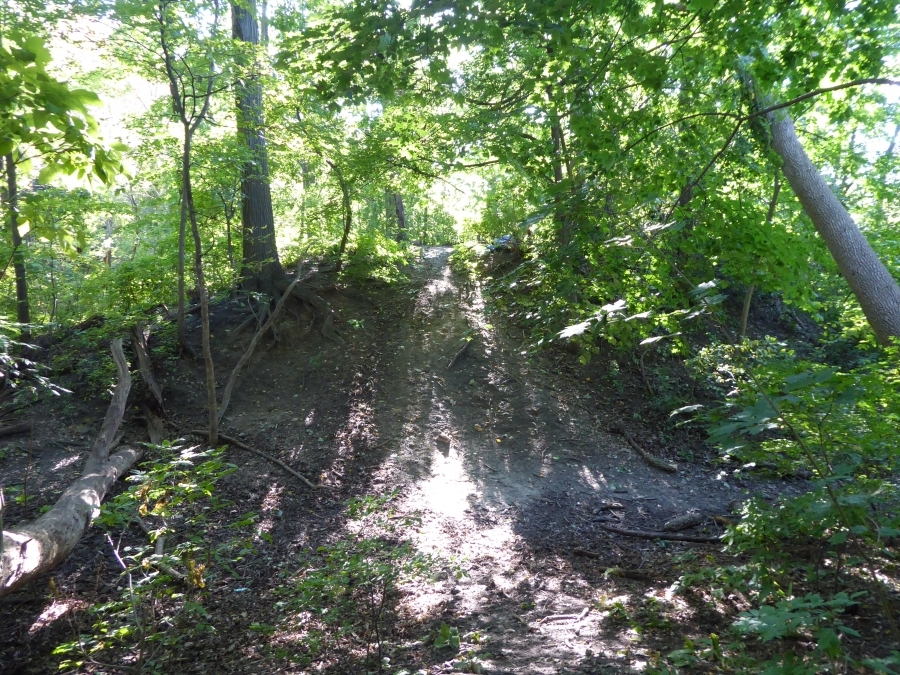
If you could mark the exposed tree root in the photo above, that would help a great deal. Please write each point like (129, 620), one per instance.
(647, 534)
(653, 461)
(265, 455)
(39, 546)
(303, 292)
(273, 317)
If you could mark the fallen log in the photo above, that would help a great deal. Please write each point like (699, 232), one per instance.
(153, 410)
(647, 534)
(37, 547)
(142, 351)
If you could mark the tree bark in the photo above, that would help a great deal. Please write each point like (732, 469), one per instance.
(401, 217)
(873, 285)
(23, 313)
(261, 267)
(35, 548)
(348, 210)
(188, 201)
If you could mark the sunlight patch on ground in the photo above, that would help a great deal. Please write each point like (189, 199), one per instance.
(446, 493)
(67, 461)
(56, 610)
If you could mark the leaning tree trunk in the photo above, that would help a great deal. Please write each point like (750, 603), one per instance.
(262, 269)
(35, 548)
(871, 282)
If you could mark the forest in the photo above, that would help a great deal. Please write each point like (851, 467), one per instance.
(427, 336)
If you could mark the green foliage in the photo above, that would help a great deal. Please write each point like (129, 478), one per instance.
(177, 486)
(837, 425)
(43, 117)
(351, 587)
(374, 256)
(446, 637)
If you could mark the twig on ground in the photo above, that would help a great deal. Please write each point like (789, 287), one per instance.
(612, 571)
(264, 455)
(647, 534)
(159, 550)
(459, 354)
(653, 461)
(566, 617)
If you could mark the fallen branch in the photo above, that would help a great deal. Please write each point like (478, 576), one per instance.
(160, 545)
(566, 617)
(229, 387)
(653, 461)
(153, 410)
(24, 427)
(264, 455)
(646, 534)
(612, 571)
(459, 354)
(37, 547)
(142, 351)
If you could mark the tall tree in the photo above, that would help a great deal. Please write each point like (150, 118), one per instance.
(261, 267)
(191, 79)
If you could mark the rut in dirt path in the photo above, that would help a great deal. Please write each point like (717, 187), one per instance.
(504, 460)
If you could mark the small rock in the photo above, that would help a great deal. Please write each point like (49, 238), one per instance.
(443, 438)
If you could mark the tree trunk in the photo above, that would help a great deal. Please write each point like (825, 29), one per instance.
(23, 314)
(400, 212)
(871, 282)
(188, 201)
(348, 210)
(37, 547)
(261, 267)
(182, 228)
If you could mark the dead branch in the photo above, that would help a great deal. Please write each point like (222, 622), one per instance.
(21, 428)
(652, 460)
(612, 571)
(37, 547)
(646, 534)
(229, 387)
(142, 351)
(153, 410)
(459, 354)
(264, 455)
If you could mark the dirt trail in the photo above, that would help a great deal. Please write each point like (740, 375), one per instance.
(526, 470)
